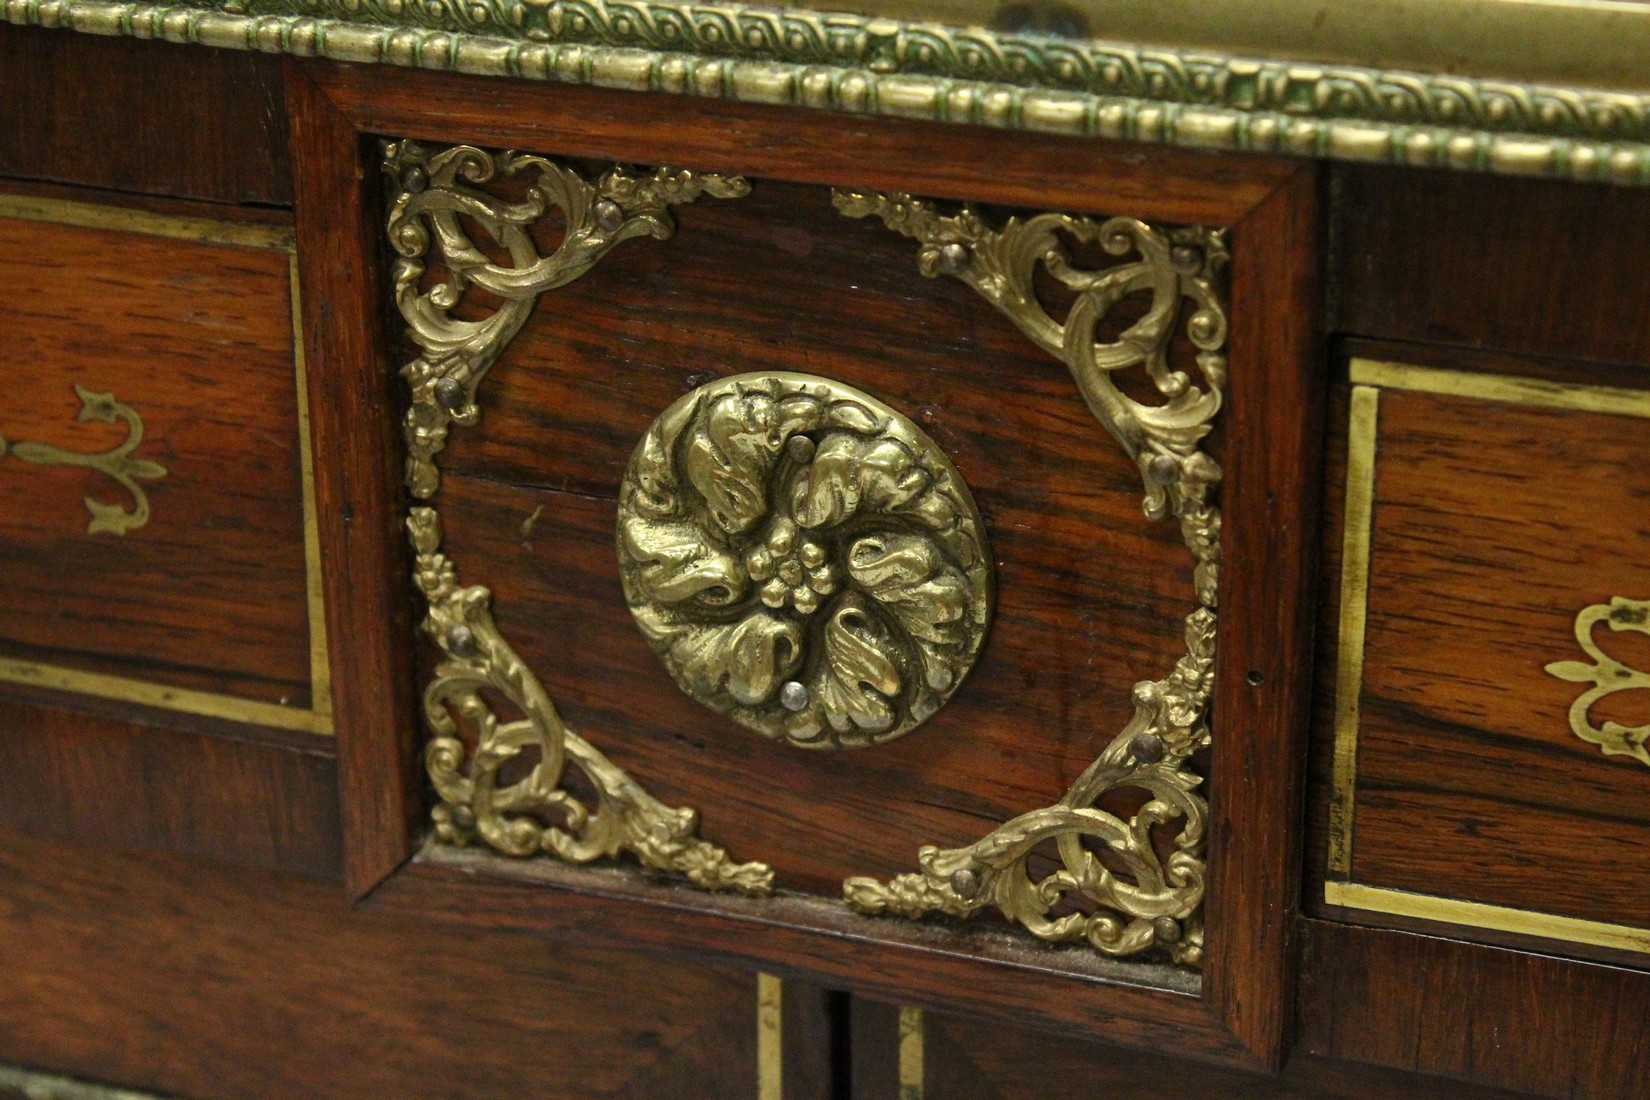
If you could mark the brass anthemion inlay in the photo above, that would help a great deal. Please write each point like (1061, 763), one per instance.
(1137, 898)
(804, 559)
(116, 463)
(502, 777)
(1608, 676)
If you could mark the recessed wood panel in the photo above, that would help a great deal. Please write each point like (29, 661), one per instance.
(206, 603)
(1493, 510)
(1091, 595)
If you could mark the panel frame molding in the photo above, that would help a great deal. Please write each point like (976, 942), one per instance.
(1241, 1014)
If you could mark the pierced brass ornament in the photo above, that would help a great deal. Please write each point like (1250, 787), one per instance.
(116, 463)
(501, 779)
(1137, 899)
(1608, 676)
(804, 559)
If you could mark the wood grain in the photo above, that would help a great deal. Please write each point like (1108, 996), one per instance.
(190, 980)
(111, 776)
(1504, 1019)
(146, 117)
(1470, 781)
(967, 1059)
(806, 146)
(353, 421)
(211, 594)
(1491, 263)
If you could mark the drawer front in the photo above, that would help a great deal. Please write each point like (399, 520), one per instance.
(1491, 708)
(154, 483)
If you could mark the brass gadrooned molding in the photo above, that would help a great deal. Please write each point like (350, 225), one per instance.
(1142, 895)
(502, 777)
(1608, 676)
(1561, 123)
(804, 559)
(116, 463)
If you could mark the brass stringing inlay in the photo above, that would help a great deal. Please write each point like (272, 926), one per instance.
(1154, 901)
(502, 779)
(1608, 676)
(803, 559)
(117, 463)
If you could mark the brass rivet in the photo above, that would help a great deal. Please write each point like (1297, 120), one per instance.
(1163, 469)
(965, 883)
(464, 817)
(954, 258)
(609, 216)
(793, 696)
(1186, 258)
(1167, 930)
(461, 641)
(449, 394)
(800, 447)
(1148, 748)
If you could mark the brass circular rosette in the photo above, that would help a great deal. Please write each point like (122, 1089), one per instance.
(803, 559)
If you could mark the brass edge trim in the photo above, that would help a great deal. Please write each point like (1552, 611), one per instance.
(912, 1075)
(1569, 396)
(1496, 918)
(320, 666)
(1349, 670)
(318, 717)
(205, 703)
(119, 219)
(1200, 99)
(48, 1086)
(770, 1038)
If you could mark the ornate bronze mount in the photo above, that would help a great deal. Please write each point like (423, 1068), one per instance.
(1142, 895)
(803, 559)
(1608, 676)
(116, 463)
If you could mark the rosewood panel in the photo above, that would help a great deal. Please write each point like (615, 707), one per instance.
(146, 117)
(115, 775)
(195, 981)
(152, 499)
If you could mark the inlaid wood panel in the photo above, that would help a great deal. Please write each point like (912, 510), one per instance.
(1091, 596)
(199, 593)
(1498, 510)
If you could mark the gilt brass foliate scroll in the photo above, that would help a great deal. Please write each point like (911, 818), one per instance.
(1137, 898)
(803, 559)
(1608, 676)
(116, 463)
(501, 773)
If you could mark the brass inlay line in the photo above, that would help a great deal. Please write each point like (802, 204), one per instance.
(87, 215)
(1497, 387)
(1368, 378)
(146, 693)
(1496, 918)
(912, 1080)
(317, 718)
(1349, 671)
(770, 1038)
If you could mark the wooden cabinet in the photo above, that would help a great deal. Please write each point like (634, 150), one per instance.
(630, 594)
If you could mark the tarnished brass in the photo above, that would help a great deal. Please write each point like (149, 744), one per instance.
(500, 779)
(1608, 676)
(116, 463)
(803, 559)
(770, 1038)
(1136, 899)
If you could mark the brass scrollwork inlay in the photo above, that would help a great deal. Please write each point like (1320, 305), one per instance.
(501, 779)
(1136, 898)
(116, 463)
(1608, 676)
(803, 559)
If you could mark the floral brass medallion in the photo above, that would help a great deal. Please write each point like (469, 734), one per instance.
(803, 559)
